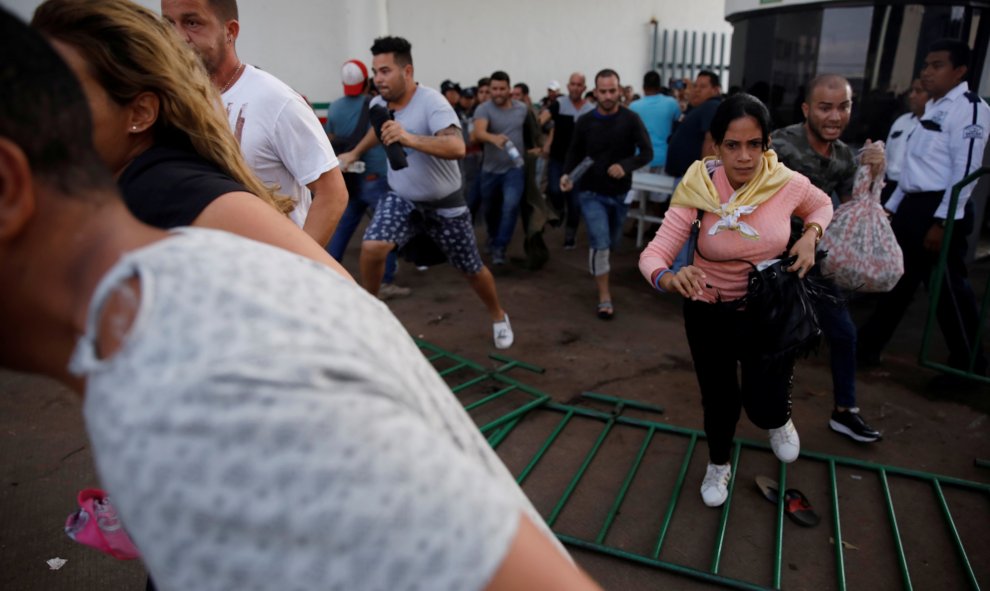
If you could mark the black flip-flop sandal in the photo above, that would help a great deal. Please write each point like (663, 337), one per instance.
(798, 508)
(796, 505)
(606, 310)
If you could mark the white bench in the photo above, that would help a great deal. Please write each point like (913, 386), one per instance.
(651, 186)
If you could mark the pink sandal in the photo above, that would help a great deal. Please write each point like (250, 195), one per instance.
(97, 525)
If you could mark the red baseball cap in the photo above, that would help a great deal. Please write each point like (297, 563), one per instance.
(353, 75)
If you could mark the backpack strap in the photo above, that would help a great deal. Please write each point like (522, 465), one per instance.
(346, 144)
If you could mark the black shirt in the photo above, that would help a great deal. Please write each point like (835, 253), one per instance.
(563, 125)
(689, 137)
(169, 185)
(608, 140)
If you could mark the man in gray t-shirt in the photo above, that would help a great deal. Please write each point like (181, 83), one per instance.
(498, 124)
(426, 196)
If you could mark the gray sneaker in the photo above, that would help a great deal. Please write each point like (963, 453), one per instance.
(390, 291)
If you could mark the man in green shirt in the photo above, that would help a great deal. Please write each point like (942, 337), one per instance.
(813, 148)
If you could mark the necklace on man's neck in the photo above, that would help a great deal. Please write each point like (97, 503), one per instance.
(237, 70)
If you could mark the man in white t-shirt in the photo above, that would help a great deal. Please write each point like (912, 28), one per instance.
(279, 133)
(236, 461)
(426, 197)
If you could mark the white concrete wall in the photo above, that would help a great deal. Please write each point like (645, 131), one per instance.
(303, 42)
(537, 41)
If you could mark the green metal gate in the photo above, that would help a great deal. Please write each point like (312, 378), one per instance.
(938, 275)
(531, 401)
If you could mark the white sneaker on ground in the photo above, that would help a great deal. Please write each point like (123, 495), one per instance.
(785, 442)
(503, 333)
(390, 291)
(715, 486)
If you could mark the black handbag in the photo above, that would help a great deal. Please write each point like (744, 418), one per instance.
(779, 306)
(780, 310)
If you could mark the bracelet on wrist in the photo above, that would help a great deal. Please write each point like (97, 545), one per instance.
(818, 231)
(656, 280)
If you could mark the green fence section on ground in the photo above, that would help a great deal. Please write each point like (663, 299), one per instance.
(497, 430)
(936, 293)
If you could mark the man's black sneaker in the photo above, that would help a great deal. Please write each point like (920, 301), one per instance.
(850, 424)
(865, 360)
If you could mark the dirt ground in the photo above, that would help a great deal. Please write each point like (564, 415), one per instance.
(642, 355)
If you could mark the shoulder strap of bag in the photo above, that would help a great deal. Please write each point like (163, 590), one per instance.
(348, 143)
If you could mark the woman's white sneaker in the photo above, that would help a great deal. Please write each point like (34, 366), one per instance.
(785, 442)
(715, 486)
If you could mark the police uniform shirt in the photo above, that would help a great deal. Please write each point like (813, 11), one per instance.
(946, 146)
(897, 144)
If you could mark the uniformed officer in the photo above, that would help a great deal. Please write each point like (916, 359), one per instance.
(946, 146)
(897, 136)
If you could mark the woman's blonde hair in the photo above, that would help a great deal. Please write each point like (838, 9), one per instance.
(131, 50)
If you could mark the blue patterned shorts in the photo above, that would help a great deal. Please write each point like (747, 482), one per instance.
(397, 220)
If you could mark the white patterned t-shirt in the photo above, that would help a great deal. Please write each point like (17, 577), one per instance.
(268, 425)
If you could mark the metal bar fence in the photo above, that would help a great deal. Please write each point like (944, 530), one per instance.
(682, 54)
(938, 277)
(500, 429)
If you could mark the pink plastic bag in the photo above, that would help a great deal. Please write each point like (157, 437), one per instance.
(96, 525)
(863, 254)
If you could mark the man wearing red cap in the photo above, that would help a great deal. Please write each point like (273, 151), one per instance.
(347, 122)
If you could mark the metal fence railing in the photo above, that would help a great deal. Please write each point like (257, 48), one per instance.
(682, 54)
(936, 293)
(483, 388)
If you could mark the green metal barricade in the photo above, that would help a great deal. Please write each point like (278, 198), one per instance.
(499, 429)
(449, 365)
(938, 275)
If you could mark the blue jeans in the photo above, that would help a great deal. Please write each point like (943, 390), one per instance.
(471, 180)
(604, 216)
(370, 190)
(512, 184)
(840, 332)
(563, 202)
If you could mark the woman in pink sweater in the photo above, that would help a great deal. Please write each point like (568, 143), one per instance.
(748, 199)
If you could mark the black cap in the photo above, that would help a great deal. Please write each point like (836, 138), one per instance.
(470, 91)
(448, 85)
